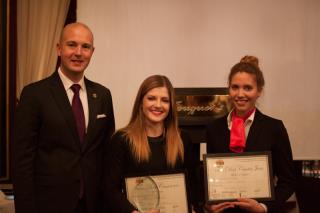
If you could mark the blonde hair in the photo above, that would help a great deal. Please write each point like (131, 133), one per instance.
(135, 131)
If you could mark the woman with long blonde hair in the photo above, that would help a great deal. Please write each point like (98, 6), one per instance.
(151, 142)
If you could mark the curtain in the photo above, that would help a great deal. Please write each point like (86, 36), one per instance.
(39, 24)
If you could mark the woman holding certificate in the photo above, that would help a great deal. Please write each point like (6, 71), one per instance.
(246, 129)
(150, 143)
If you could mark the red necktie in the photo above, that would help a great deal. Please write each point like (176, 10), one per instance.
(238, 134)
(78, 112)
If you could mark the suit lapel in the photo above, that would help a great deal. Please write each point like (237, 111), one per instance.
(93, 98)
(254, 131)
(225, 135)
(61, 98)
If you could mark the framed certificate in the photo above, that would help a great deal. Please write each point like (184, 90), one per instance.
(229, 176)
(167, 192)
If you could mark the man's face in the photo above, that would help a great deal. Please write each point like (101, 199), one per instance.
(75, 50)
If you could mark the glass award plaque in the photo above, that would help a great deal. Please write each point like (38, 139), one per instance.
(145, 194)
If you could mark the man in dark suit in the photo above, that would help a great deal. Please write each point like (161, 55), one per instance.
(56, 168)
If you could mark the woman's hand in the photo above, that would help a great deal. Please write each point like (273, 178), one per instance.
(219, 207)
(249, 205)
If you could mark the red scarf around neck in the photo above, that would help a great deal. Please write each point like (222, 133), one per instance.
(238, 134)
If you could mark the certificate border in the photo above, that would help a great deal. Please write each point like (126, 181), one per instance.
(174, 172)
(230, 155)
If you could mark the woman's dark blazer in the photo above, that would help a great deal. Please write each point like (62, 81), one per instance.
(266, 134)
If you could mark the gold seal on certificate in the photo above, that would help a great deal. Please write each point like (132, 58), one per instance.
(229, 176)
(167, 192)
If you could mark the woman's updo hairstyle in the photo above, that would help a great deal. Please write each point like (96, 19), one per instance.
(250, 65)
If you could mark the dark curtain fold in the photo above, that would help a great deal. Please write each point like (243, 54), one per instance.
(7, 84)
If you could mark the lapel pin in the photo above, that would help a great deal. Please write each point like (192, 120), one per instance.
(94, 95)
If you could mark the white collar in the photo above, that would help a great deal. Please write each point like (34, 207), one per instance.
(249, 119)
(67, 83)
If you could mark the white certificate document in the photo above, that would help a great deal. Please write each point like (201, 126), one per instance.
(234, 176)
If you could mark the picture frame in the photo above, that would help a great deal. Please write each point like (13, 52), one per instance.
(228, 176)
